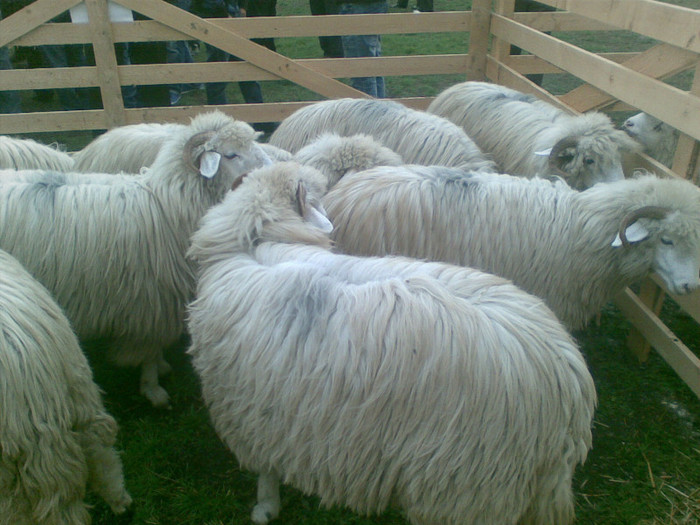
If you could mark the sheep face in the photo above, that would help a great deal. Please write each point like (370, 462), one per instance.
(227, 153)
(674, 241)
(655, 136)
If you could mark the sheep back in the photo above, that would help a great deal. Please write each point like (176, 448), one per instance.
(418, 137)
(27, 154)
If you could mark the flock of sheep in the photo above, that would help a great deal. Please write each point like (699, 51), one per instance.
(378, 314)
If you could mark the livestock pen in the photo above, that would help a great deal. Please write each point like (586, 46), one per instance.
(618, 56)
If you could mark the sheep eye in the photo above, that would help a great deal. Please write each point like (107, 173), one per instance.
(658, 127)
(589, 161)
(231, 156)
(667, 242)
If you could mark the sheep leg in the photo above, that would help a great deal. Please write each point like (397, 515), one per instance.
(164, 367)
(107, 477)
(150, 388)
(268, 506)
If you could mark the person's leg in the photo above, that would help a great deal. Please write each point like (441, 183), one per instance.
(10, 101)
(216, 91)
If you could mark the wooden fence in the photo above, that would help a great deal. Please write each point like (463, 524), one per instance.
(612, 81)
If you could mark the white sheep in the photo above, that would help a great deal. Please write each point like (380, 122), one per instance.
(419, 137)
(574, 249)
(657, 138)
(113, 254)
(125, 149)
(371, 382)
(56, 437)
(529, 137)
(27, 154)
(336, 156)
(130, 148)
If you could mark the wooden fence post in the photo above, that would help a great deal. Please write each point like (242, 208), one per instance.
(479, 39)
(106, 62)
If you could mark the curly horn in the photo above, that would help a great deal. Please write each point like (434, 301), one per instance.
(560, 146)
(645, 212)
(189, 156)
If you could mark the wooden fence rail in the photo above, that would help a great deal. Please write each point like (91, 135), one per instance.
(614, 80)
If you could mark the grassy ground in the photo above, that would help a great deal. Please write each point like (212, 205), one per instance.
(645, 464)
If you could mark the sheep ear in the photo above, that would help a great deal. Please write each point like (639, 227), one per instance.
(635, 232)
(317, 216)
(209, 163)
(544, 152)
(313, 214)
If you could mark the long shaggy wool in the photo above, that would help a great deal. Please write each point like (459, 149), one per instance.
(371, 382)
(55, 435)
(28, 154)
(113, 254)
(548, 239)
(125, 149)
(517, 129)
(418, 137)
(335, 155)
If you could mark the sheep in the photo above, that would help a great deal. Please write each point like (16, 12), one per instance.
(529, 137)
(125, 149)
(130, 148)
(370, 382)
(113, 254)
(56, 437)
(576, 250)
(336, 156)
(420, 138)
(23, 154)
(657, 138)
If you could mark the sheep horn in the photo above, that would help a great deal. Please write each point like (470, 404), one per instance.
(195, 141)
(645, 212)
(560, 146)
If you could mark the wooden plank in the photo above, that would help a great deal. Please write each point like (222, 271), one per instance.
(527, 64)
(243, 48)
(106, 62)
(668, 23)
(308, 26)
(479, 39)
(651, 295)
(661, 61)
(500, 73)
(48, 78)
(635, 88)
(332, 67)
(40, 121)
(675, 353)
(500, 46)
(31, 16)
(560, 21)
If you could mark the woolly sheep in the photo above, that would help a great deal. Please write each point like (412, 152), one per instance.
(125, 149)
(657, 138)
(129, 149)
(25, 154)
(55, 435)
(418, 137)
(371, 382)
(528, 137)
(336, 156)
(113, 254)
(576, 250)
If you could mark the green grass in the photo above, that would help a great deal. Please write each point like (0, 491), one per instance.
(644, 467)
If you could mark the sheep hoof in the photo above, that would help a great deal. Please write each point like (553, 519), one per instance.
(121, 505)
(157, 395)
(264, 512)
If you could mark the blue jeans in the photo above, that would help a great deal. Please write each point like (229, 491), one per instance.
(365, 46)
